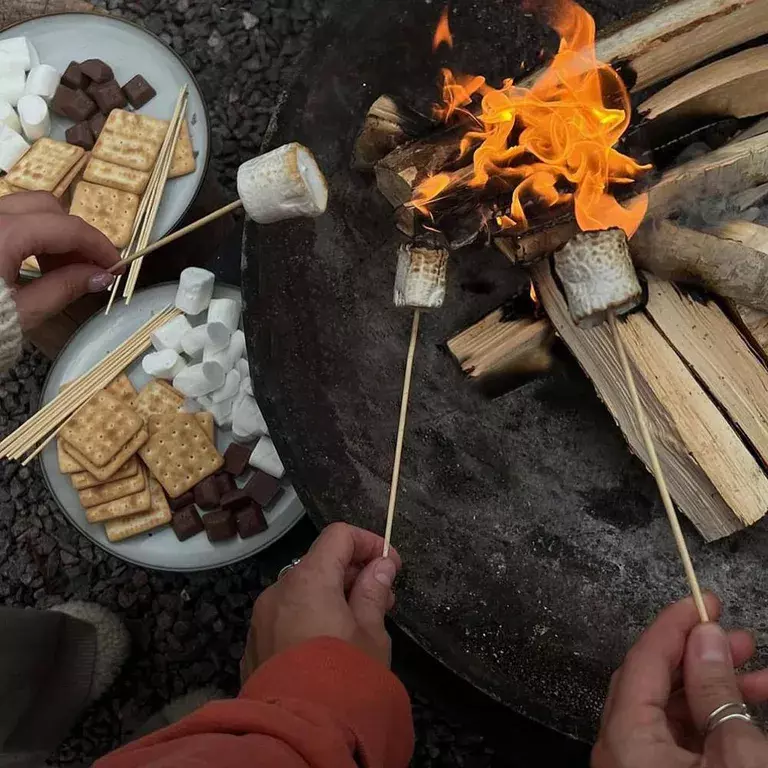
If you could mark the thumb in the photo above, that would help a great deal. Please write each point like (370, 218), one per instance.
(710, 680)
(51, 293)
(371, 594)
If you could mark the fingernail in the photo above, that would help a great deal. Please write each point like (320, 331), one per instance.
(100, 281)
(710, 644)
(384, 572)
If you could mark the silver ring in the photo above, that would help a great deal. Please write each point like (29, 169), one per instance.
(732, 710)
(286, 568)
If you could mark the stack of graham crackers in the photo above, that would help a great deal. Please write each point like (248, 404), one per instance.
(125, 450)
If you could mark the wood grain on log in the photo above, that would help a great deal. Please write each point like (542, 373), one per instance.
(13, 11)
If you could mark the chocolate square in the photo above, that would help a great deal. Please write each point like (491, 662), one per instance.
(97, 70)
(185, 500)
(236, 458)
(225, 483)
(250, 520)
(186, 523)
(262, 488)
(235, 500)
(73, 77)
(80, 135)
(76, 105)
(108, 96)
(138, 92)
(97, 124)
(207, 493)
(220, 525)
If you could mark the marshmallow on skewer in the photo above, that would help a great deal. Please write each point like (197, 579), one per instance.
(42, 80)
(15, 53)
(264, 457)
(230, 388)
(420, 278)
(12, 147)
(34, 116)
(247, 419)
(227, 358)
(282, 184)
(194, 291)
(9, 117)
(225, 311)
(169, 336)
(12, 81)
(165, 364)
(200, 379)
(217, 335)
(598, 276)
(222, 413)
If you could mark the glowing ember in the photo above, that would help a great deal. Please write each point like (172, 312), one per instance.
(551, 143)
(443, 32)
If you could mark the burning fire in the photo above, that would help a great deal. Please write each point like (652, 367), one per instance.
(443, 32)
(553, 142)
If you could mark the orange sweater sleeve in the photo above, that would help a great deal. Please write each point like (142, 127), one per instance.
(321, 704)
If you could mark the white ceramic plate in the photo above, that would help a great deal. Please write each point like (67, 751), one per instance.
(130, 51)
(159, 549)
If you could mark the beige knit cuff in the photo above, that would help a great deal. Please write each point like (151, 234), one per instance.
(10, 329)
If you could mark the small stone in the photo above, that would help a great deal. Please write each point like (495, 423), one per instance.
(215, 40)
(68, 559)
(249, 20)
(126, 599)
(165, 621)
(206, 613)
(140, 579)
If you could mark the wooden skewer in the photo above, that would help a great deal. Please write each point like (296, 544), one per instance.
(650, 449)
(401, 432)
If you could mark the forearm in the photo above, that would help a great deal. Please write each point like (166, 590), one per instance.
(10, 329)
(323, 704)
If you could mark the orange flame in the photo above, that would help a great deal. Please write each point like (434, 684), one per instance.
(551, 143)
(443, 32)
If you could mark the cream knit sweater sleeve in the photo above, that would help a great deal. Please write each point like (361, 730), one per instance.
(10, 330)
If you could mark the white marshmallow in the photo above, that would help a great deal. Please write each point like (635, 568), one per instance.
(282, 184)
(12, 147)
(34, 56)
(230, 389)
(222, 413)
(246, 386)
(226, 311)
(205, 402)
(15, 53)
(227, 358)
(247, 419)
(195, 290)
(193, 342)
(190, 405)
(34, 116)
(9, 117)
(200, 379)
(243, 368)
(42, 80)
(217, 334)
(169, 336)
(165, 364)
(12, 81)
(264, 457)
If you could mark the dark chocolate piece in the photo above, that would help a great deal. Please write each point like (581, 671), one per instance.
(235, 500)
(236, 458)
(80, 135)
(97, 70)
(76, 105)
(262, 488)
(207, 493)
(186, 523)
(182, 501)
(250, 520)
(73, 77)
(138, 92)
(97, 124)
(220, 525)
(225, 482)
(108, 96)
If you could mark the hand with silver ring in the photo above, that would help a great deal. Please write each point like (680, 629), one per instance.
(341, 588)
(676, 702)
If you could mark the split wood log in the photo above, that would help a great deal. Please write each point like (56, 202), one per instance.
(736, 86)
(497, 353)
(761, 126)
(713, 478)
(387, 125)
(725, 267)
(718, 356)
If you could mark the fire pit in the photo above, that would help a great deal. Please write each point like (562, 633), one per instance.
(535, 544)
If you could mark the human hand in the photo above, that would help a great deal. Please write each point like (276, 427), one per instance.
(341, 588)
(677, 673)
(73, 256)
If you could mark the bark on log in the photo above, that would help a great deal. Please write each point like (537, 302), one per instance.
(13, 11)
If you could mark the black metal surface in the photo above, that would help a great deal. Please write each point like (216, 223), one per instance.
(535, 548)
